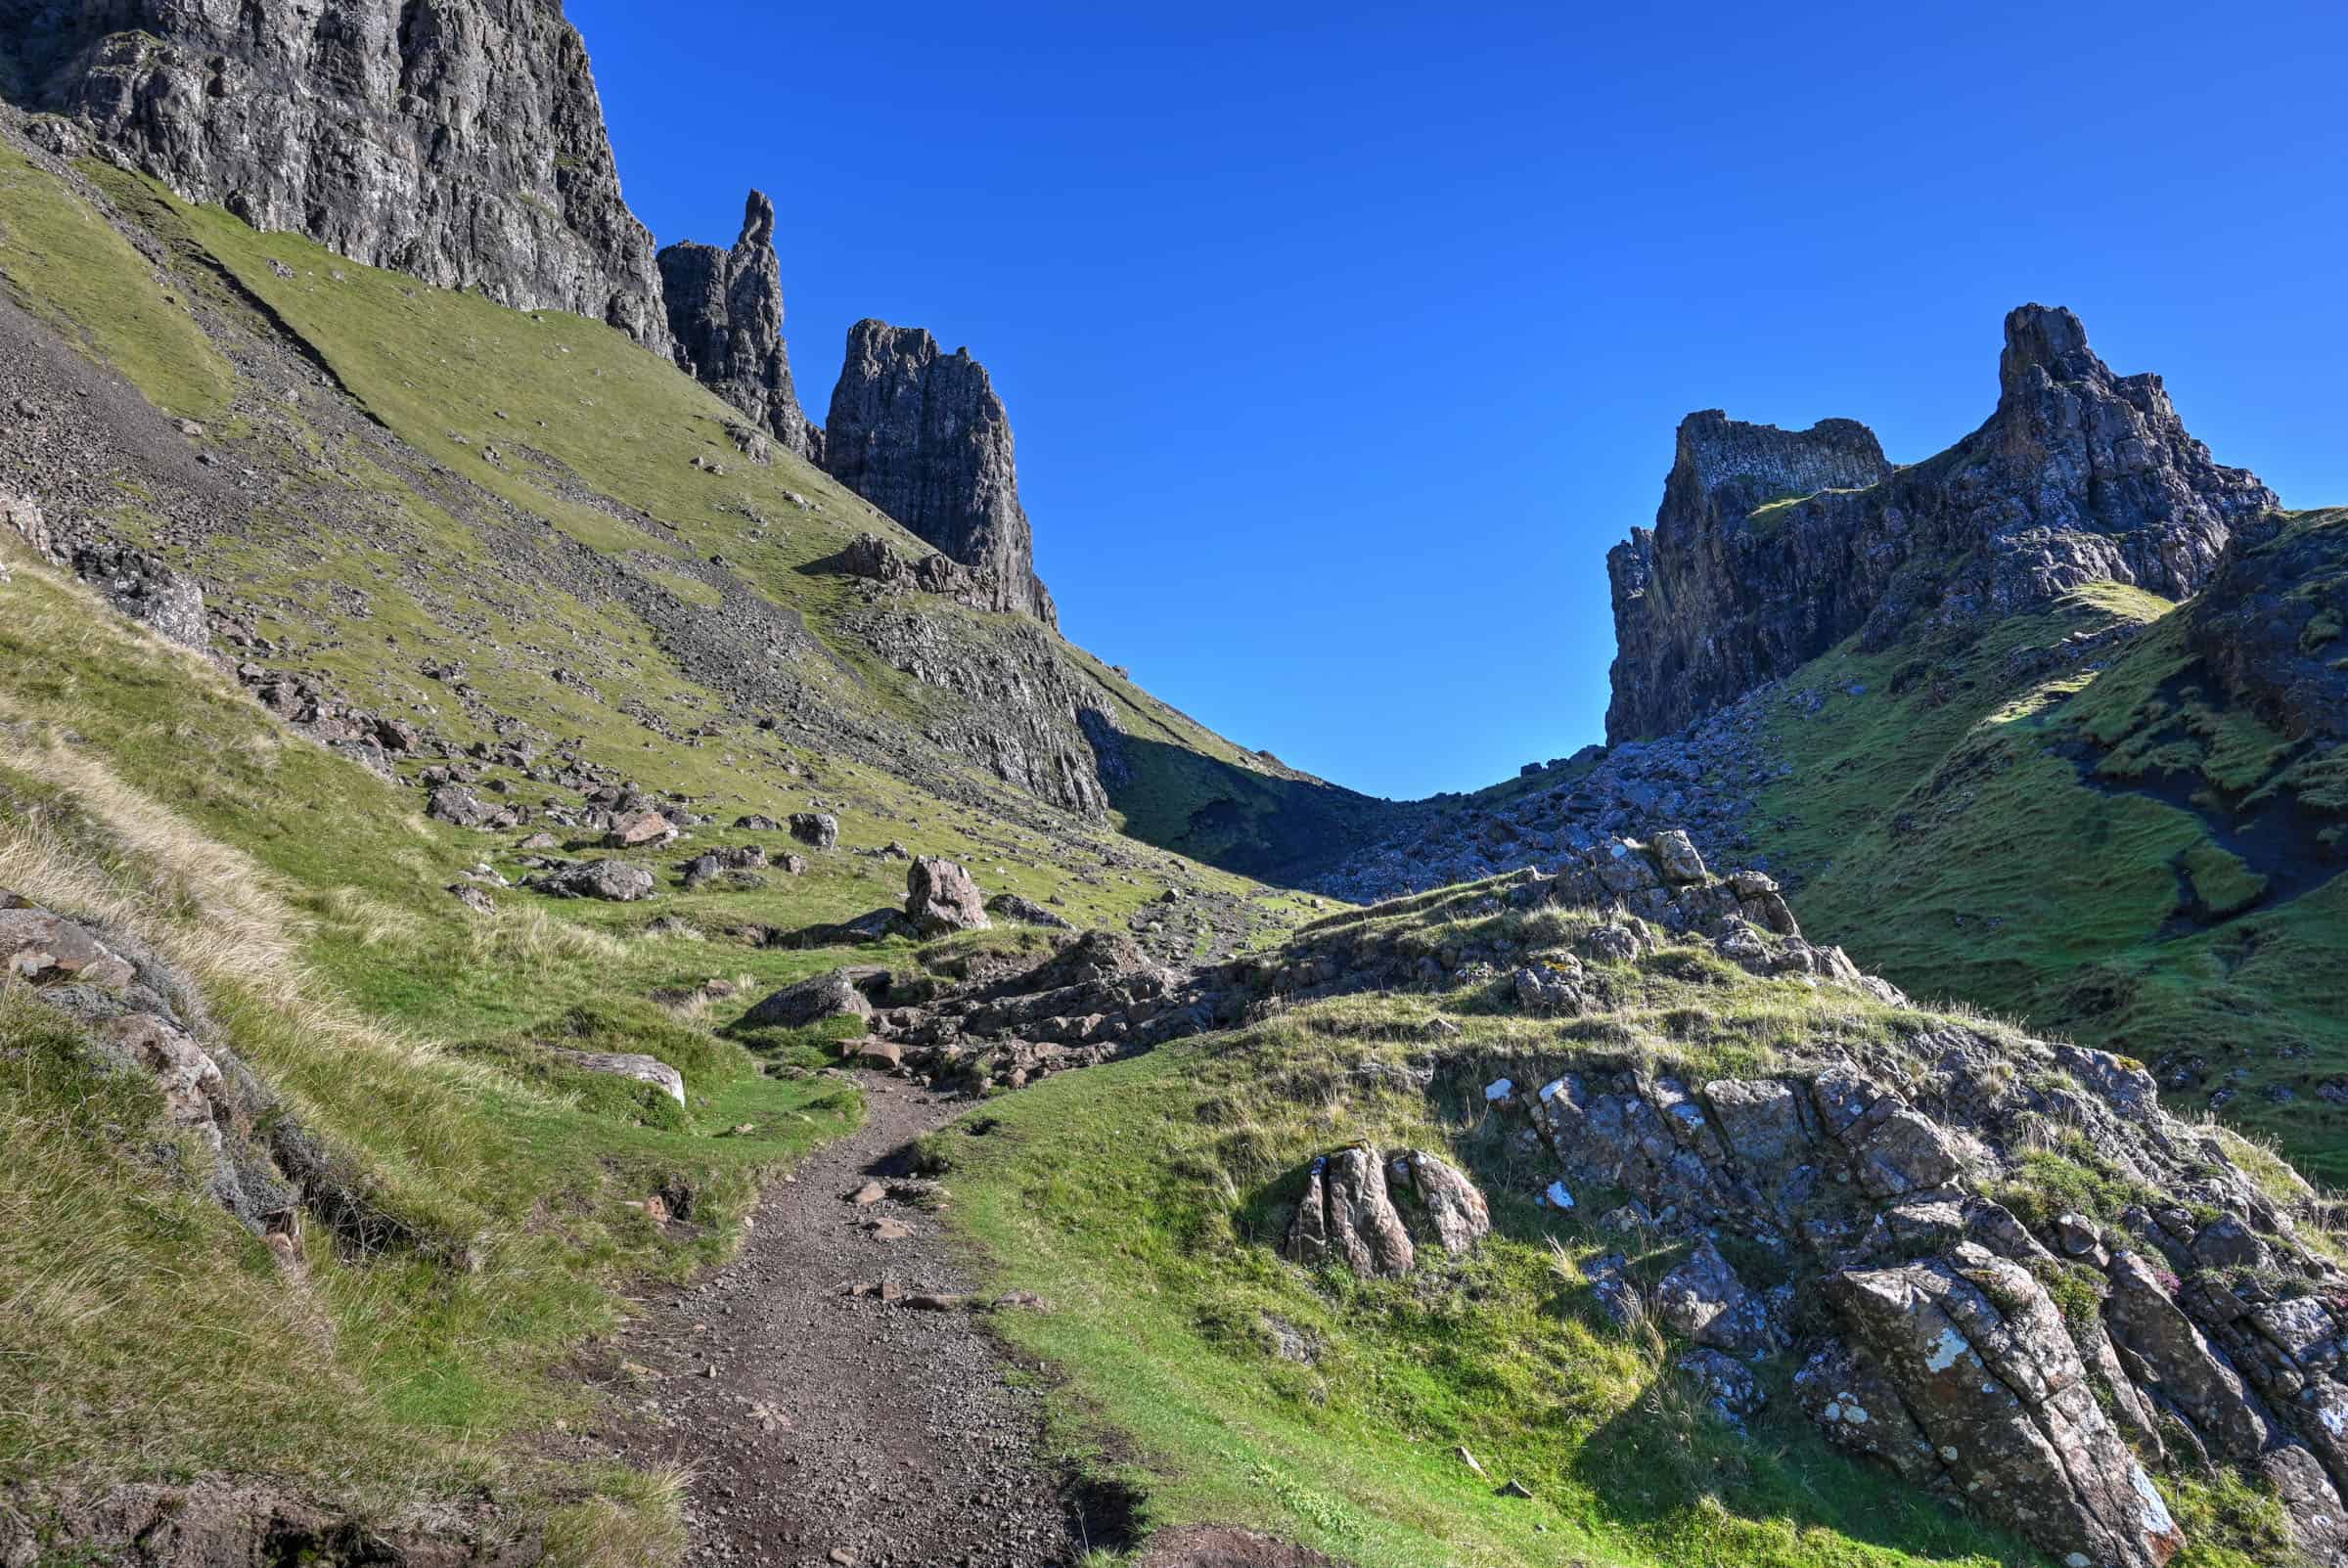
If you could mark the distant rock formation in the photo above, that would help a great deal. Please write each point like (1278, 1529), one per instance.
(459, 141)
(725, 312)
(922, 435)
(2079, 477)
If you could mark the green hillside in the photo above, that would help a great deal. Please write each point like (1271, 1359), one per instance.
(2107, 845)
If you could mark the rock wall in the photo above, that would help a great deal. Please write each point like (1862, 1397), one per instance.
(921, 434)
(459, 141)
(2270, 624)
(2079, 477)
(725, 312)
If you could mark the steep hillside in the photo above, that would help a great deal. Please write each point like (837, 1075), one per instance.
(2119, 818)
(475, 518)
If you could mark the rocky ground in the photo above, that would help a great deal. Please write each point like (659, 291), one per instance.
(834, 1391)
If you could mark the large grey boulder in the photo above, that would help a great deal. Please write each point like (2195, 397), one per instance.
(458, 141)
(816, 829)
(1346, 1215)
(623, 1064)
(832, 995)
(616, 881)
(1443, 1199)
(941, 898)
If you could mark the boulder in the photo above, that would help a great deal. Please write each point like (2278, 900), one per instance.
(940, 897)
(1677, 858)
(641, 1069)
(635, 832)
(832, 995)
(616, 881)
(1025, 912)
(1703, 1299)
(713, 863)
(1348, 1216)
(457, 804)
(816, 829)
(1452, 1207)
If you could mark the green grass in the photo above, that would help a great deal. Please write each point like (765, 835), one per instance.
(1939, 830)
(1145, 1201)
(150, 1335)
(66, 264)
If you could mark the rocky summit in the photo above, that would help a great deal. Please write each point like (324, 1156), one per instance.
(1772, 545)
(586, 978)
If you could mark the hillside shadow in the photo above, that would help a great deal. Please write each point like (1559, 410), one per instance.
(1267, 826)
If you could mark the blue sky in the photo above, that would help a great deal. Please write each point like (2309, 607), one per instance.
(1341, 342)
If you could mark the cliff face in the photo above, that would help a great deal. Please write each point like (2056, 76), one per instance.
(725, 312)
(922, 435)
(460, 141)
(2079, 477)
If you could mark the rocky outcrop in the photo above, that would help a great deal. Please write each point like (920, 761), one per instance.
(725, 313)
(2026, 1361)
(139, 584)
(2273, 624)
(2079, 477)
(943, 898)
(459, 141)
(921, 434)
(1360, 1212)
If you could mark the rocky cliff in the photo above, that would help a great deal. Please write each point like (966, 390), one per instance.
(461, 141)
(725, 312)
(921, 434)
(2080, 475)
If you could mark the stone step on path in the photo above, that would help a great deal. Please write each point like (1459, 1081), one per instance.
(826, 1425)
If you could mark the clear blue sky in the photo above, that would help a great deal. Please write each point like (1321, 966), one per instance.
(1341, 342)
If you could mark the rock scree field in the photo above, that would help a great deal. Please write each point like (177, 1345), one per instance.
(587, 979)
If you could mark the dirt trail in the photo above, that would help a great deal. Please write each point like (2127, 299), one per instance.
(825, 1428)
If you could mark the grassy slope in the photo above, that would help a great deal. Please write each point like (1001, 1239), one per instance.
(149, 1329)
(66, 264)
(1146, 1201)
(460, 379)
(1944, 837)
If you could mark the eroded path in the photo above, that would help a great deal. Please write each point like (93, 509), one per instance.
(827, 1428)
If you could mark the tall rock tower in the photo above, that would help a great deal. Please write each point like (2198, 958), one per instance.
(922, 435)
(725, 312)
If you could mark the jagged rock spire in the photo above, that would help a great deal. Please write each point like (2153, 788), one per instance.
(2079, 477)
(921, 434)
(725, 310)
